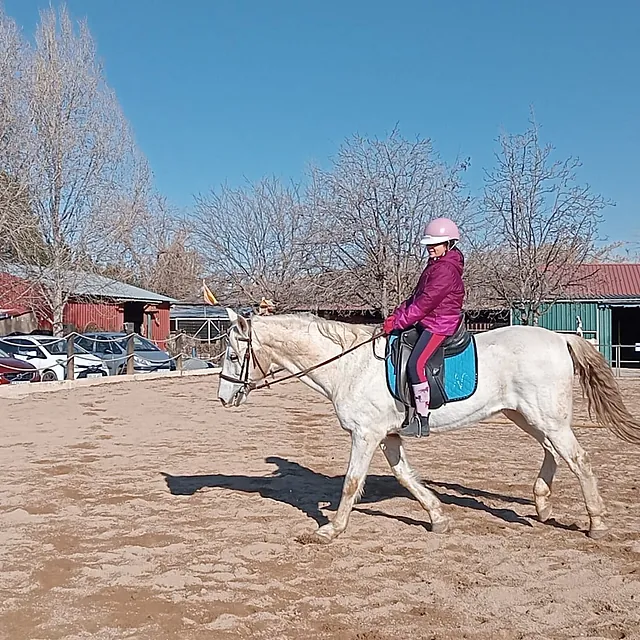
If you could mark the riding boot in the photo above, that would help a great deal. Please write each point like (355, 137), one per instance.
(418, 426)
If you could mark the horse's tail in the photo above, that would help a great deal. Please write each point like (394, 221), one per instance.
(601, 389)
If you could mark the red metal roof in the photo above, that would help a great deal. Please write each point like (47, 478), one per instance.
(607, 281)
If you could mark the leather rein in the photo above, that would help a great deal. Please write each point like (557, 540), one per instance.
(250, 358)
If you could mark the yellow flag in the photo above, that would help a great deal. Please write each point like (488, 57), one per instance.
(209, 298)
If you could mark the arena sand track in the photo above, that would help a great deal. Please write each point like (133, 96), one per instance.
(145, 510)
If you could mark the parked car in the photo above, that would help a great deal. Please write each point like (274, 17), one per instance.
(49, 355)
(193, 364)
(14, 371)
(111, 348)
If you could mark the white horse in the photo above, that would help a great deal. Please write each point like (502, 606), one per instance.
(524, 372)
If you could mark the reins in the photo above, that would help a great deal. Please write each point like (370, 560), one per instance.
(260, 384)
(250, 357)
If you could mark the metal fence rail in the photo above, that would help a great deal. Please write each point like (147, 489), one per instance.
(618, 364)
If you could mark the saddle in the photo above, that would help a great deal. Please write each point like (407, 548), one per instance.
(452, 371)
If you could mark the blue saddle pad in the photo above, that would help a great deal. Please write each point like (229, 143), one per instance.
(391, 364)
(461, 374)
(452, 371)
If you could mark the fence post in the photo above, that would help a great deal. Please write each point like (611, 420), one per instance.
(130, 362)
(71, 360)
(179, 349)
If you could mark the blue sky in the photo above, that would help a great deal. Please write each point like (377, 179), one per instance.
(223, 90)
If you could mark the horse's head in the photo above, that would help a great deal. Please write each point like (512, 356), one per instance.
(244, 364)
(234, 378)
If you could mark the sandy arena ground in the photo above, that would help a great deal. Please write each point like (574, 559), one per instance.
(145, 510)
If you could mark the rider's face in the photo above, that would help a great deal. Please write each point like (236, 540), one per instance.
(437, 250)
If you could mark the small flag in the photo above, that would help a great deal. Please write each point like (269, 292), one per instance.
(209, 298)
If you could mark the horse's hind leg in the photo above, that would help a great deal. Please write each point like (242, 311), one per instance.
(555, 435)
(394, 452)
(542, 486)
(565, 443)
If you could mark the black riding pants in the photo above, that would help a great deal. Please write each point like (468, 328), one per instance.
(426, 346)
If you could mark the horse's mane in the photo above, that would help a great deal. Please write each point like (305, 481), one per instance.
(343, 334)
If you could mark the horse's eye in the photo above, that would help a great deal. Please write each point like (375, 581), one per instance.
(233, 357)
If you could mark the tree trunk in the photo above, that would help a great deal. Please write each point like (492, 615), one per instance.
(535, 317)
(57, 312)
(385, 298)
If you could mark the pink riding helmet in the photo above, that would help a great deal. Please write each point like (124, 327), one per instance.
(440, 230)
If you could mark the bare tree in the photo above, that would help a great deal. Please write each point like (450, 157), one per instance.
(257, 242)
(15, 218)
(13, 57)
(375, 202)
(19, 232)
(540, 225)
(177, 270)
(18, 226)
(351, 239)
(79, 157)
(155, 249)
(626, 251)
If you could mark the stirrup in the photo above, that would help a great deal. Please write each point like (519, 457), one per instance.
(417, 426)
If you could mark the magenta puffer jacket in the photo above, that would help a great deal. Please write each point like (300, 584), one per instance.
(436, 302)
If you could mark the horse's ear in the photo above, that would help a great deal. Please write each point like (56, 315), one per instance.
(233, 316)
(243, 325)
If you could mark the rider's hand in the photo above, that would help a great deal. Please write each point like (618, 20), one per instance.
(388, 325)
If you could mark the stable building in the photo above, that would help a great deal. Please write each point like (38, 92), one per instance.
(96, 303)
(605, 308)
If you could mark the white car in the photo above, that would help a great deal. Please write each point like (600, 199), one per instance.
(49, 356)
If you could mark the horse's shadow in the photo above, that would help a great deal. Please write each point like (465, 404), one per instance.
(305, 489)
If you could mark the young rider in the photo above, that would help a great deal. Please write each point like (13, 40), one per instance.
(435, 307)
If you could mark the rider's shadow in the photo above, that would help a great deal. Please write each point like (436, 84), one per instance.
(305, 489)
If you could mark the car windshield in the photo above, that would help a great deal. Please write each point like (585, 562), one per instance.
(58, 347)
(10, 348)
(4, 354)
(139, 344)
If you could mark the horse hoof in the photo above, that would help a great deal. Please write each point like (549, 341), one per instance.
(313, 538)
(322, 535)
(442, 526)
(597, 534)
(544, 513)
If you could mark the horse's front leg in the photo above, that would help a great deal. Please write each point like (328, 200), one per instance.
(407, 477)
(363, 446)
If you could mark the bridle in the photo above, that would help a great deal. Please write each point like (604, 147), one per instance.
(251, 359)
(248, 360)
